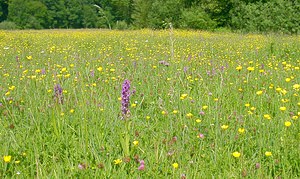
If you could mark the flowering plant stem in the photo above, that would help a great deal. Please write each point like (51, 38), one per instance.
(54, 124)
(125, 138)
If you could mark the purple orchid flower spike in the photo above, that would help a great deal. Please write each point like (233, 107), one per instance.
(58, 93)
(125, 95)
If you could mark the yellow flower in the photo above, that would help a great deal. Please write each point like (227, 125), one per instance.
(11, 88)
(271, 86)
(29, 57)
(283, 91)
(118, 161)
(133, 105)
(241, 130)
(72, 110)
(148, 117)
(288, 79)
(189, 115)
(259, 92)
(99, 68)
(267, 116)
(287, 123)
(175, 111)
(7, 158)
(204, 107)
(250, 68)
(296, 86)
(198, 120)
(67, 75)
(268, 154)
(247, 105)
(278, 89)
(239, 68)
(282, 108)
(6, 75)
(224, 127)
(175, 165)
(295, 117)
(285, 100)
(183, 96)
(63, 69)
(236, 154)
(163, 112)
(135, 143)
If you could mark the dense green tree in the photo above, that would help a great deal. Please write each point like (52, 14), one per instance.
(122, 10)
(89, 16)
(3, 10)
(105, 18)
(196, 18)
(27, 13)
(164, 12)
(141, 14)
(275, 16)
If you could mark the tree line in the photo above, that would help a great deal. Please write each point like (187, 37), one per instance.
(242, 15)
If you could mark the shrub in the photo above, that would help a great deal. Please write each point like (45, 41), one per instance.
(7, 25)
(121, 25)
(196, 18)
(274, 16)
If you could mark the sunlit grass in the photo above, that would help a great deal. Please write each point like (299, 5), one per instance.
(223, 105)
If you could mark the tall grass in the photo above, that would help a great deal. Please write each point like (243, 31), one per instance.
(214, 105)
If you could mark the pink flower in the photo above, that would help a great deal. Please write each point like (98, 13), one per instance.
(142, 162)
(81, 166)
(201, 136)
(142, 165)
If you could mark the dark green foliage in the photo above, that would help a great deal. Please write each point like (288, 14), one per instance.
(3, 10)
(196, 18)
(243, 15)
(141, 13)
(27, 14)
(163, 12)
(276, 16)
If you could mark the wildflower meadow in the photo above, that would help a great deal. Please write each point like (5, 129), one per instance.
(149, 104)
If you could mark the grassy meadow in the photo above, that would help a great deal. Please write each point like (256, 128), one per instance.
(202, 104)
